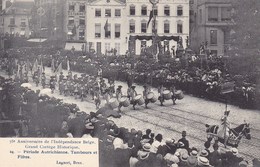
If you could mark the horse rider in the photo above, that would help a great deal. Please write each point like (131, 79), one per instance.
(173, 90)
(43, 80)
(133, 94)
(160, 91)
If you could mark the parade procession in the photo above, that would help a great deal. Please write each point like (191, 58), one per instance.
(153, 93)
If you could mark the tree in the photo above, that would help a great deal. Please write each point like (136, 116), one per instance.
(245, 37)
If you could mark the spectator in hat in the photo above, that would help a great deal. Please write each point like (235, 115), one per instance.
(171, 159)
(184, 160)
(207, 145)
(203, 162)
(157, 142)
(184, 141)
(147, 134)
(168, 147)
(215, 155)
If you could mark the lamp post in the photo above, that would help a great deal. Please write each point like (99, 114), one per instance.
(154, 33)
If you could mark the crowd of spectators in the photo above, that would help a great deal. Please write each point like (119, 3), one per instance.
(26, 113)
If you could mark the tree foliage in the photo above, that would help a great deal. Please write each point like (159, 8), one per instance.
(245, 37)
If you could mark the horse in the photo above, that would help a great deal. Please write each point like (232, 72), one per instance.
(234, 135)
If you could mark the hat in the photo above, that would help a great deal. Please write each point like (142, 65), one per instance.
(194, 153)
(192, 161)
(147, 147)
(118, 143)
(133, 87)
(184, 133)
(234, 151)
(172, 158)
(143, 154)
(169, 141)
(89, 126)
(243, 164)
(184, 157)
(133, 131)
(204, 153)
(120, 86)
(202, 161)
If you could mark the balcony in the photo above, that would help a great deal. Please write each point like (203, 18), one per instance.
(23, 25)
(73, 13)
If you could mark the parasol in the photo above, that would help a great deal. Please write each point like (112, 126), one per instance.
(46, 91)
(26, 85)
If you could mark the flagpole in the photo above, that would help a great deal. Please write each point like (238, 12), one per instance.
(154, 2)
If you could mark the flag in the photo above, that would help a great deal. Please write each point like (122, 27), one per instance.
(68, 65)
(74, 32)
(150, 18)
(106, 26)
(227, 87)
(59, 69)
(27, 65)
(35, 66)
(52, 65)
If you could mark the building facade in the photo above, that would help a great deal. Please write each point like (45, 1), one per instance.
(17, 18)
(172, 19)
(106, 27)
(213, 25)
(48, 16)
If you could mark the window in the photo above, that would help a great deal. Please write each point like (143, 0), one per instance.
(108, 32)
(132, 27)
(225, 14)
(214, 52)
(108, 12)
(117, 13)
(144, 11)
(117, 30)
(97, 30)
(143, 27)
(213, 37)
(82, 8)
(71, 20)
(98, 12)
(166, 10)
(166, 27)
(12, 21)
(23, 22)
(179, 11)
(132, 10)
(82, 21)
(179, 27)
(155, 12)
(117, 48)
(71, 7)
(81, 34)
(212, 14)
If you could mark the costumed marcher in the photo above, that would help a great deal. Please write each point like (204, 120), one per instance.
(145, 93)
(119, 92)
(52, 84)
(43, 80)
(160, 91)
(97, 98)
(173, 90)
(133, 94)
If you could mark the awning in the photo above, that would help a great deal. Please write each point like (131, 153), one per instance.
(37, 40)
(150, 37)
(77, 46)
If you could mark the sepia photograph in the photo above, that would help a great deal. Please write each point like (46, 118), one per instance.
(130, 83)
